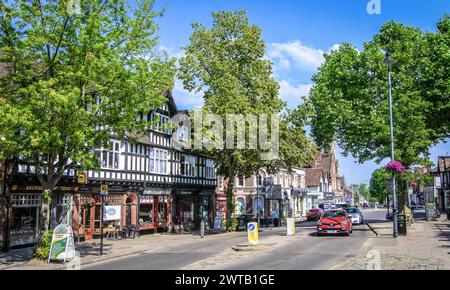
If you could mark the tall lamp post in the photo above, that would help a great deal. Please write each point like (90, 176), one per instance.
(258, 201)
(389, 61)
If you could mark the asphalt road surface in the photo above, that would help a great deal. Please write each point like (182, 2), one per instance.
(304, 251)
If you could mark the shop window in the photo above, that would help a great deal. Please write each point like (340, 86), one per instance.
(146, 215)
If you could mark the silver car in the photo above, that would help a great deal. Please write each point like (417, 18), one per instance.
(356, 215)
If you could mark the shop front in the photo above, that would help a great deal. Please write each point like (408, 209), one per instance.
(87, 211)
(26, 201)
(192, 207)
(184, 205)
(26, 209)
(154, 210)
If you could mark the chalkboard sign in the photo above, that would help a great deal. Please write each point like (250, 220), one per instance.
(218, 223)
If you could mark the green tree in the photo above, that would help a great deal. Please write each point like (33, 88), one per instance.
(363, 190)
(72, 78)
(379, 184)
(227, 64)
(351, 101)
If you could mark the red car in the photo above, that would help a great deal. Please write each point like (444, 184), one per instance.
(314, 214)
(335, 222)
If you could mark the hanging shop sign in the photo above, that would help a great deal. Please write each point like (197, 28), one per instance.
(62, 247)
(82, 177)
(112, 213)
(104, 189)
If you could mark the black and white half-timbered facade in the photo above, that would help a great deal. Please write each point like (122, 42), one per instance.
(151, 186)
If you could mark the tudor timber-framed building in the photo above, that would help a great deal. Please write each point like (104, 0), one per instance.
(151, 185)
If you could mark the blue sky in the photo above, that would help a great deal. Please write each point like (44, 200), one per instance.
(297, 33)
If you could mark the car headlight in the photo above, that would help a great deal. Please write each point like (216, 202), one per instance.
(344, 224)
(319, 223)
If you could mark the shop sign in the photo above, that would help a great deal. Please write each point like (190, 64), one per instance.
(252, 232)
(62, 247)
(82, 177)
(290, 226)
(112, 213)
(218, 223)
(156, 192)
(104, 189)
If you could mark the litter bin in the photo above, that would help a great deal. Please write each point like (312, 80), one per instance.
(402, 225)
(276, 223)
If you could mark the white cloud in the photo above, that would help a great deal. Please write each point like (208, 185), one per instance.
(292, 93)
(185, 99)
(293, 54)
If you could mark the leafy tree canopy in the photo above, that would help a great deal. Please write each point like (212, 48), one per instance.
(350, 95)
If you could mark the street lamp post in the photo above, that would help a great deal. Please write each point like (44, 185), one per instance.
(389, 61)
(258, 201)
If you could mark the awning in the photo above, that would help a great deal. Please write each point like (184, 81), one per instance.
(273, 192)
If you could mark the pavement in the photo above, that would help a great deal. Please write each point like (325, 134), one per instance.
(425, 247)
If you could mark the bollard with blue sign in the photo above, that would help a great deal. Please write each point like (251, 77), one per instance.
(252, 230)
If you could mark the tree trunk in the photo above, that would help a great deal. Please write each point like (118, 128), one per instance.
(44, 217)
(230, 201)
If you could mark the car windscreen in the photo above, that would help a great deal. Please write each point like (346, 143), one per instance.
(334, 214)
(351, 210)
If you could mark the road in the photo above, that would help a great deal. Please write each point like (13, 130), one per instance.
(304, 251)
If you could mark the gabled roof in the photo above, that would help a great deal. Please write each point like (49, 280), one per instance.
(312, 176)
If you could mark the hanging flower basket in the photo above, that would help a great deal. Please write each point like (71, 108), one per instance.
(395, 166)
(89, 203)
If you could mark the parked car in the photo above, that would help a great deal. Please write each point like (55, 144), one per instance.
(314, 214)
(366, 205)
(355, 214)
(335, 222)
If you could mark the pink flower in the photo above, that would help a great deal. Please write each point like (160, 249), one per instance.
(396, 166)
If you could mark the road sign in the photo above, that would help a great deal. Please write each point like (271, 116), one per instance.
(290, 226)
(104, 189)
(252, 231)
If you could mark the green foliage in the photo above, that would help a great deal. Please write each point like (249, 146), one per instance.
(227, 64)
(72, 79)
(42, 250)
(351, 100)
(234, 224)
(379, 184)
(363, 190)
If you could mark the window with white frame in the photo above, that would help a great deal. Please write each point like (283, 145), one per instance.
(240, 181)
(158, 161)
(210, 169)
(259, 180)
(160, 123)
(109, 157)
(188, 165)
(221, 183)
